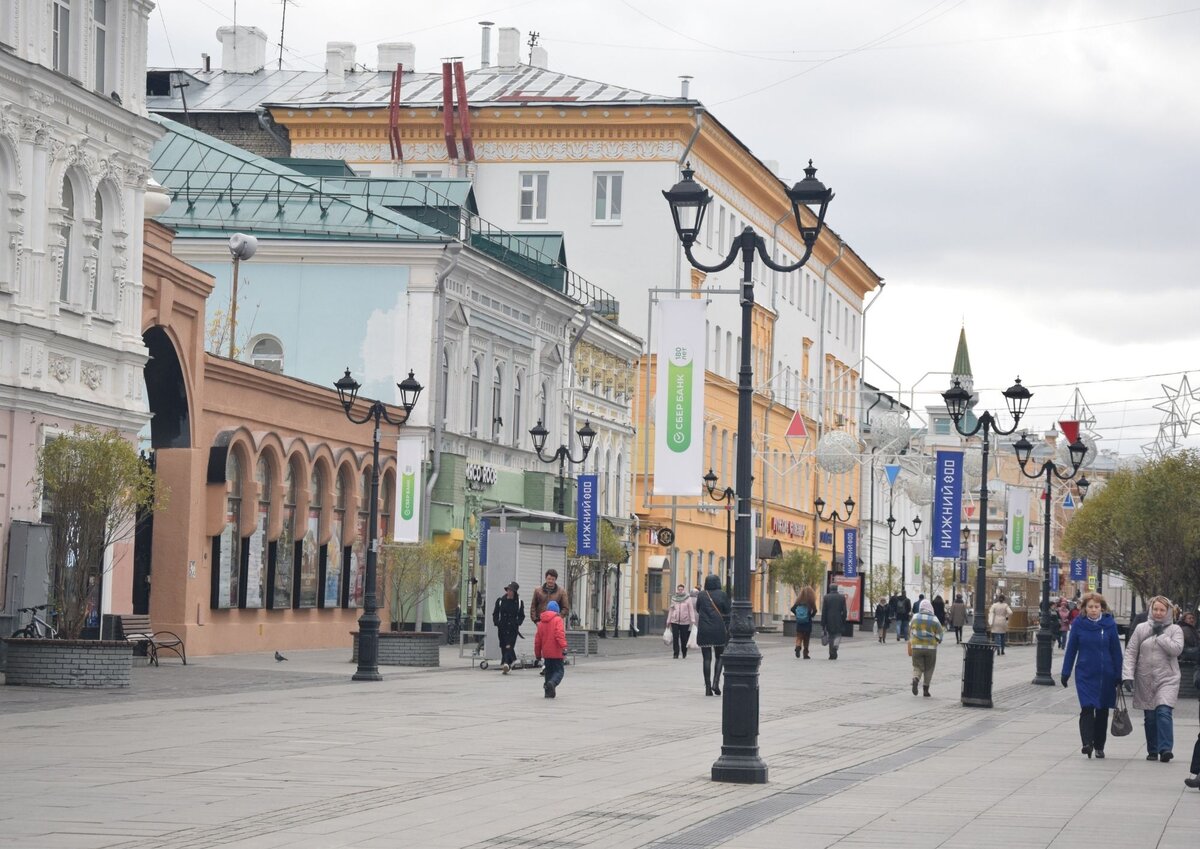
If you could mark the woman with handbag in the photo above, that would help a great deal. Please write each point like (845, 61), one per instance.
(1093, 656)
(680, 619)
(712, 630)
(1000, 612)
(1151, 674)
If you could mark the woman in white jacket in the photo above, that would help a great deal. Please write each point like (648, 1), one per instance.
(1151, 673)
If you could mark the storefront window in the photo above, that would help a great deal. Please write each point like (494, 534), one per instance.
(285, 548)
(336, 556)
(310, 553)
(227, 548)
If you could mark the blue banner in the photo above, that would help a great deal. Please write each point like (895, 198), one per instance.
(1079, 569)
(484, 526)
(587, 534)
(1029, 566)
(850, 555)
(947, 503)
(1054, 576)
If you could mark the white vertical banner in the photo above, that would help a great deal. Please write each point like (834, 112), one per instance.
(410, 487)
(679, 402)
(1018, 529)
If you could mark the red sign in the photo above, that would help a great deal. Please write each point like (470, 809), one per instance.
(1070, 430)
(851, 588)
(796, 428)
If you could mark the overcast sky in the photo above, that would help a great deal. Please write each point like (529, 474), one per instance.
(1028, 168)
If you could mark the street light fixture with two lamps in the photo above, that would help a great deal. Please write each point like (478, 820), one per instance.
(562, 456)
(903, 533)
(739, 761)
(368, 624)
(727, 495)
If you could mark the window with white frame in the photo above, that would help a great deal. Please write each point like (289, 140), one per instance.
(426, 175)
(100, 44)
(606, 206)
(497, 389)
(69, 231)
(533, 195)
(544, 404)
(60, 46)
(473, 416)
(444, 388)
(266, 352)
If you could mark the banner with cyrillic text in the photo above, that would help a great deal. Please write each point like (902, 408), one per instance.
(850, 553)
(679, 398)
(410, 488)
(587, 534)
(1018, 529)
(947, 503)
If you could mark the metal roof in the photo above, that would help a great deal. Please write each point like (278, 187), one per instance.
(222, 91)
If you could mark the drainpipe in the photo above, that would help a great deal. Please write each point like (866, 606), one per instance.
(439, 287)
(821, 340)
(633, 584)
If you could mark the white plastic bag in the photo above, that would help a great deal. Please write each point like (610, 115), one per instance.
(667, 635)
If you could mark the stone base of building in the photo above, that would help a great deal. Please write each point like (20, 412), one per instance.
(68, 663)
(405, 648)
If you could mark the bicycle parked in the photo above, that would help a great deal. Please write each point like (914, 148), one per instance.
(38, 628)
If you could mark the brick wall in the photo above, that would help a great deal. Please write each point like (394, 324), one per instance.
(68, 663)
(242, 129)
(399, 648)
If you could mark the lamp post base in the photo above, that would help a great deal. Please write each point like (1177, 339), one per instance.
(1045, 658)
(978, 662)
(739, 762)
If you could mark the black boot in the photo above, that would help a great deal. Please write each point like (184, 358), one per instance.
(716, 686)
(707, 681)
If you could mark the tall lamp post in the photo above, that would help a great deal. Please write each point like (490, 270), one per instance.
(904, 533)
(1049, 470)
(739, 761)
(961, 566)
(835, 517)
(978, 660)
(368, 624)
(727, 495)
(562, 456)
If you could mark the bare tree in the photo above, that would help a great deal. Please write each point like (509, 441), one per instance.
(413, 572)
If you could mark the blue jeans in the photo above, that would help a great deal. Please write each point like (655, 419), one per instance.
(1000, 638)
(554, 670)
(1160, 729)
(901, 629)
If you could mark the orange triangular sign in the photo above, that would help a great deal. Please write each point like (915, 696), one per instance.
(796, 428)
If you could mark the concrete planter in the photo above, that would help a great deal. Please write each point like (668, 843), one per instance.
(68, 663)
(405, 648)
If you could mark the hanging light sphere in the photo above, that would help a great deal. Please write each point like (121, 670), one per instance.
(919, 489)
(837, 452)
(973, 465)
(891, 432)
(1062, 456)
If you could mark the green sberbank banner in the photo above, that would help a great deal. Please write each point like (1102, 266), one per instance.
(410, 457)
(679, 398)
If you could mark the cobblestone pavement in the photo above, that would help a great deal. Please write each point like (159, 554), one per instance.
(241, 752)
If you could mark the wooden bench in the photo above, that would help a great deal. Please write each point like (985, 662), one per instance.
(136, 629)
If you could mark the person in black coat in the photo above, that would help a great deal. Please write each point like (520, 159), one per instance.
(712, 630)
(833, 619)
(939, 609)
(507, 616)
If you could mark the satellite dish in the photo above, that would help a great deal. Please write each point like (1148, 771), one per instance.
(242, 246)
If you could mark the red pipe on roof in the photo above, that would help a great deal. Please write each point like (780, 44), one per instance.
(394, 115)
(448, 112)
(464, 113)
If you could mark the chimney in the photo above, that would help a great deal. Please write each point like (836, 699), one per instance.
(509, 54)
(485, 50)
(684, 84)
(335, 68)
(349, 52)
(538, 57)
(206, 60)
(396, 53)
(243, 49)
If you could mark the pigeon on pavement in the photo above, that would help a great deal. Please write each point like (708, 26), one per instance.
(279, 657)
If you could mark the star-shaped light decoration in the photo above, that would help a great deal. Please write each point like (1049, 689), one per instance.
(1177, 409)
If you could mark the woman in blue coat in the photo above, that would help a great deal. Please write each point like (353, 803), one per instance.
(1094, 655)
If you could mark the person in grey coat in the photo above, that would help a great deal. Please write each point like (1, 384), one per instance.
(712, 630)
(1151, 673)
(833, 618)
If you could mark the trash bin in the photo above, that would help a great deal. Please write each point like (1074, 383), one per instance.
(789, 627)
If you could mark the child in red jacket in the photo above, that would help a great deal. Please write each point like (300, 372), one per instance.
(550, 644)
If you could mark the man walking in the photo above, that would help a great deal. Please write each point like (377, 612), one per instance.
(833, 617)
(546, 593)
(903, 612)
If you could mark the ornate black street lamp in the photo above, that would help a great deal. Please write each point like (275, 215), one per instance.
(904, 533)
(1049, 469)
(834, 517)
(562, 456)
(368, 624)
(727, 495)
(739, 761)
(978, 659)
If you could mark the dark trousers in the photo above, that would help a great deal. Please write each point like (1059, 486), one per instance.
(1093, 727)
(958, 634)
(712, 676)
(679, 638)
(507, 653)
(1195, 768)
(554, 670)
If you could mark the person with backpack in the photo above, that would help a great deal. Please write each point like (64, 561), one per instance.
(804, 610)
(507, 616)
(903, 612)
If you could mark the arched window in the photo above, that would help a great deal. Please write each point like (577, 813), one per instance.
(102, 256)
(716, 363)
(725, 458)
(266, 352)
(473, 417)
(227, 548)
(69, 232)
(259, 563)
(544, 404)
(608, 482)
(285, 548)
(619, 487)
(497, 388)
(518, 381)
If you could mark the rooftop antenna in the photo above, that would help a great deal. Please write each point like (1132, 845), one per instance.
(533, 40)
(282, 27)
